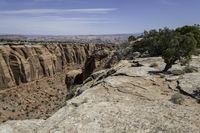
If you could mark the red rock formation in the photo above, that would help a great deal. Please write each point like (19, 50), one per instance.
(36, 80)
(24, 63)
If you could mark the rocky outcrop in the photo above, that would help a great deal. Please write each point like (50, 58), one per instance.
(24, 63)
(28, 126)
(125, 98)
(70, 81)
(189, 84)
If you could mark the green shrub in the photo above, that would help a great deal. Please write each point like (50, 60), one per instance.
(154, 64)
(177, 99)
(173, 45)
(177, 72)
(190, 69)
(131, 38)
(197, 52)
(162, 76)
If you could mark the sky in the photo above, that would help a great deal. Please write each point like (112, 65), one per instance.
(87, 17)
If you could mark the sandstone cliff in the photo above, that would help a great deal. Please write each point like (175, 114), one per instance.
(35, 80)
(129, 97)
(23, 63)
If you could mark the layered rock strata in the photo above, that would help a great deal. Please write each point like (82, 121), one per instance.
(24, 63)
(35, 80)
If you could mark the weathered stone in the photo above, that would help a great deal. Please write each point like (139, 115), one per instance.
(171, 78)
(124, 103)
(26, 126)
(190, 84)
(124, 99)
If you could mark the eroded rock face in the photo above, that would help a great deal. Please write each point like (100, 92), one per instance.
(125, 98)
(22, 63)
(190, 85)
(35, 80)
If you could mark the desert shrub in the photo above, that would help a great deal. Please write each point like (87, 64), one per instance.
(190, 69)
(122, 45)
(194, 29)
(162, 76)
(177, 72)
(177, 99)
(172, 45)
(198, 101)
(154, 64)
(132, 38)
(179, 48)
(197, 52)
(72, 92)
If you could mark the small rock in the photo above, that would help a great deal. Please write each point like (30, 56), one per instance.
(171, 78)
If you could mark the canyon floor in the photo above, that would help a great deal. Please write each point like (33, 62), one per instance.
(133, 96)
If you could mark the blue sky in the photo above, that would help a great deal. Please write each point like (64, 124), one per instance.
(78, 17)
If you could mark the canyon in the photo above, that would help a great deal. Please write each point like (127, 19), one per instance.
(35, 79)
(132, 96)
(95, 88)
(24, 63)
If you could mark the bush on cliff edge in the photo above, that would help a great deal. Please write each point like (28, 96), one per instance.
(172, 45)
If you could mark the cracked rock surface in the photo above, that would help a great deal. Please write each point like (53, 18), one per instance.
(190, 84)
(125, 99)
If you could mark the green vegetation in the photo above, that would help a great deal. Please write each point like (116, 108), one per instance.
(194, 30)
(177, 98)
(131, 38)
(172, 45)
(154, 64)
(190, 69)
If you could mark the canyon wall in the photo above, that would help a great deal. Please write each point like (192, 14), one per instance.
(24, 63)
(35, 80)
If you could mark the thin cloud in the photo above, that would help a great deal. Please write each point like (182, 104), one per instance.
(54, 25)
(57, 11)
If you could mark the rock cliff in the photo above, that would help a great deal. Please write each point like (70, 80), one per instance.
(24, 63)
(129, 97)
(35, 80)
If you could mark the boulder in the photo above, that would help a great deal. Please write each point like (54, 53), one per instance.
(190, 85)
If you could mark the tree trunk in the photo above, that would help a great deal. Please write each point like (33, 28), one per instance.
(167, 67)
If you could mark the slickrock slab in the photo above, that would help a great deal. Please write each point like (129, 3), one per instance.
(116, 103)
(25, 126)
(190, 84)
